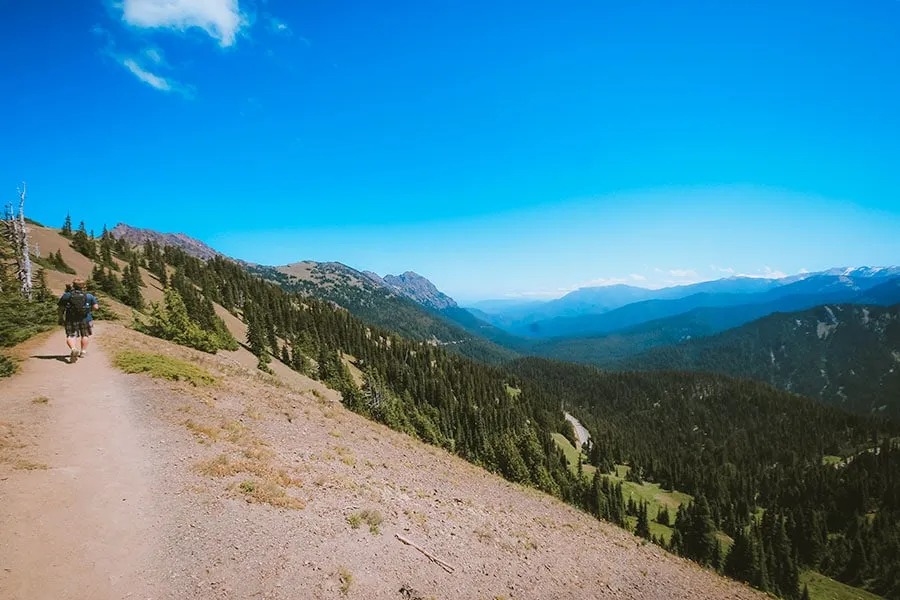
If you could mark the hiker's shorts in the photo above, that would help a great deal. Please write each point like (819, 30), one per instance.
(79, 328)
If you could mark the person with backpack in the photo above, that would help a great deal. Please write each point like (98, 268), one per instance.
(75, 308)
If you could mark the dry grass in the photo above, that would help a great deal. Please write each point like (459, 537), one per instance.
(204, 433)
(346, 455)
(231, 431)
(346, 578)
(225, 466)
(267, 492)
(40, 400)
(27, 465)
(416, 517)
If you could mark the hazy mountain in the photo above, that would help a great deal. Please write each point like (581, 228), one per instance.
(845, 355)
(519, 315)
(499, 306)
(834, 286)
(136, 237)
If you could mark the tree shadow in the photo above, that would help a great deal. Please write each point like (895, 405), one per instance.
(60, 357)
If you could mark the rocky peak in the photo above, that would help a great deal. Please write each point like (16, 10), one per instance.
(418, 288)
(136, 237)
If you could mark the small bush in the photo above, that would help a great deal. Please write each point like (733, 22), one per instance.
(171, 321)
(7, 366)
(346, 578)
(54, 262)
(269, 493)
(20, 319)
(163, 367)
(372, 518)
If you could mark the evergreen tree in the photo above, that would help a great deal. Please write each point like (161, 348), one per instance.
(643, 523)
(67, 226)
(739, 563)
(256, 335)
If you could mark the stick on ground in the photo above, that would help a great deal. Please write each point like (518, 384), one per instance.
(447, 567)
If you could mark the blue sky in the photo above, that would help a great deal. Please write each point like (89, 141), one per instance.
(500, 149)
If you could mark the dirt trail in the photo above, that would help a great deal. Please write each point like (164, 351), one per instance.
(78, 516)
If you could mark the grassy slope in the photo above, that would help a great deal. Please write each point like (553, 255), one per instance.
(825, 588)
(820, 586)
(651, 493)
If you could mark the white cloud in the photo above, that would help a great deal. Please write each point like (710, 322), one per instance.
(154, 55)
(277, 25)
(160, 83)
(636, 277)
(602, 282)
(221, 19)
(143, 73)
(766, 272)
(726, 270)
(684, 273)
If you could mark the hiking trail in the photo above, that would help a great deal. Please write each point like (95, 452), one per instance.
(79, 518)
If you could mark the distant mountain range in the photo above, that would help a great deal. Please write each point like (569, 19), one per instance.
(596, 311)
(845, 355)
(734, 325)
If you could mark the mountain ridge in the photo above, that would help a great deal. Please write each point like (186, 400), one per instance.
(845, 355)
(137, 237)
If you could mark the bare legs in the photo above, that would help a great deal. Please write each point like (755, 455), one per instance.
(76, 348)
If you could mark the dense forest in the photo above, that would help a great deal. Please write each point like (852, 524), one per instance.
(751, 456)
(384, 308)
(844, 355)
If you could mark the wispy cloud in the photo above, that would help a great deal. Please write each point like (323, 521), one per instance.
(160, 83)
(683, 273)
(154, 55)
(277, 25)
(725, 270)
(766, 272)
(220, 19)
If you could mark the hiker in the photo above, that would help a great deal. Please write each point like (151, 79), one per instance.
(75, 308)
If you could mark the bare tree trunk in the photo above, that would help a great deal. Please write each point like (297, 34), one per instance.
(17, 234)
(27, 276)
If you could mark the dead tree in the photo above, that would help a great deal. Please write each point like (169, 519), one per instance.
(16, 233)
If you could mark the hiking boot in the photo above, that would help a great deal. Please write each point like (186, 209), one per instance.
(83, 354)
(73, 355)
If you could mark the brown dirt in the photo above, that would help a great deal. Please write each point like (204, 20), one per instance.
(124, 486)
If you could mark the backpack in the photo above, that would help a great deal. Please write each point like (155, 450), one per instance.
(77, 308)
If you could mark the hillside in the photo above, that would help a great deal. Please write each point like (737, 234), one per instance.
(382, 305)
(504, 419)
(408, 304)
(844, 355)
(248, 486)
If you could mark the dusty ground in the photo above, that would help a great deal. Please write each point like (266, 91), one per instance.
(122, 486)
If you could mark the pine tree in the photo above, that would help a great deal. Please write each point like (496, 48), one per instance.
(643, 523)
(662, 516)
(67, 226)
(256, 335)
(739, 562)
